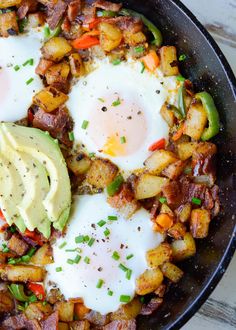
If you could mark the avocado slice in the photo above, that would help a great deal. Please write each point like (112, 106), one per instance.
(46, 151)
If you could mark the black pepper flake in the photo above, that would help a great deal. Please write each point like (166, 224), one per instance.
(122, 246)
(93, 225)
(103, 240)
(80, 157)
(174, 63)
(162, 82)
(139, 112)
(12, 32)
(100, 269)
(139, 228)
(157, 91)
(130, 117)
(104, 109)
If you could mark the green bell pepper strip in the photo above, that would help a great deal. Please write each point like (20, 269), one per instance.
(181, 100)
(176, 111)
(152, 28)
(212, 115)
(48, 34)
(115, 185)
(17, 290)
(106, 13)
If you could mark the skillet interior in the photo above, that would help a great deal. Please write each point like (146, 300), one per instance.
(208, 69)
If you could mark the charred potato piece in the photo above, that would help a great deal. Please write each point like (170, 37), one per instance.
(9, 3)
(147, 186)
(49, 99)
(79, 325)
(101, 173)
(17, 245)
(35, 20)
(196, 121)
(149, 281)
(134, 39)
(199, 223)
(159, 160)
(54, 296)
(186, 150)
(177, 231)
(173, 171)
(38, 310)
(56, 48)
(172, 272)
(65, 310)
(169, 62)
(183, 212)
(21, 273)
(8, 24)
(81, 310)
(127, 312)
(159, 255)
(79, 163)
(167, 115)
(43, 66)
(58, 74)
(110, 36)
(43, 256)
(183, 249)
(6, 302)
(76, 65)
(167, 210)
(121, 325)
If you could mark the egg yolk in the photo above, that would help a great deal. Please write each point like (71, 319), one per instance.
(117, 126)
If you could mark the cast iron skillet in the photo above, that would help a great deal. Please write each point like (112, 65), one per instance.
(208, 69)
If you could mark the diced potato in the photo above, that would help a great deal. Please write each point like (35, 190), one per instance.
(76, 65)
(177, 231)
(21, 273)
(134, 39)
(159, 255)
(110, 36)
(127, 312)
(9, 3)
(159, 160)
(3, 257)
(166, 209)
(79, 163)
(101, 173)
(79, 325)
(81, 310)
(6, 302)
(185, 248)
(57, 73)
(43, 66)
(63, 326)
(183, 212)
(19, 246)
(65, 310)
(196, 121)
(49, 99)
(147, 186)
(56, 48)
(35, 20)
(199, 223)
(167, 115)
(169, 62)
(37, 310)
(186, 149)
(8, 24)
(54, 296)
(149, 281)
(172, 272)
(97, 318)
(43, 256)
(173, 171)
(204, 149)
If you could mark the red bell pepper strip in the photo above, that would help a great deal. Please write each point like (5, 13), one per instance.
(84, 42)
(157, 145)
(34, 236)
(37, 289)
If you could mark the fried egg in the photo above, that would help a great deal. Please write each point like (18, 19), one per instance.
(90, 260)
(116, 111)
(19, 57)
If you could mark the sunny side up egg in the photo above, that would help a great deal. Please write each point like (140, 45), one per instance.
(19, 56)
(100, 245)
(116, 111)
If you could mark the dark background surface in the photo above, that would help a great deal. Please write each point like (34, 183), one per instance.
(208, 69)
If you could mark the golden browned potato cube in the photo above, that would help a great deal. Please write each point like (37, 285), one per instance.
(63, 326)
(43, 256)
(35, 20)
(56, 48)
(149, 281)
(173, 171)
(65, 310)
(79, 163)
(172, 272)
(169, 62)
(57, 73)
(8, 24)
(101, 173)
(147, 186)
(49, 99)
(19, 246)
(183, 212)
(159, 255)
(110, 36)
(128, 311)
(43, 66)
(183, 249)
(167, 210)
(177, 231)
(167, 115)
(199, 223)
(186, 149)
(6, 302)
(196, 121)
(134, 39)
(38, 310)
(76, 65)
(159, 160)
(22, 273)
(9, 3)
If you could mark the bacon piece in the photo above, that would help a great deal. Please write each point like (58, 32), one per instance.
(152, 306)
(107, 5)
(27, 6)
(121, 325)
(20, 322)
(126, 23)
(74, 9)
(55, 13)
(51, 323)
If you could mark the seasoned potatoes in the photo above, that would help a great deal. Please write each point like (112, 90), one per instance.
(56, 48)
(148, 185)
(22, 273)
(169, 62)
(159, 160)
(9, 3)
(196, 121)
(183, 249)
(149, 281)
(8, 24)
(43, 256)
(158, 256)
(101, 173)
(110, 36)
(49, 99)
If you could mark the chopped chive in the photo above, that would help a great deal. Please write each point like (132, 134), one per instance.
(45, 303)
(79, 239)
(116, 61)
(59, 269)
(182, 57)
(101, 223)
(188, 170)
(123, 139)
(25, 258)
(46, 32)
(16, 67)
(22, 24)
(77, 259)
(91, 241)
(112, 217)
(29, 81)
(110, 293)
(70, 261)
(74, 250)
(85, 124)
(86, 238)
(125, 299)
(122, 267)
(139, 49)
(196, 201)
(92, 154)
(31, 252)
(62, 245)
(107, 232)
(180, 78)
(128, 274)
(115, 185)
(143, 67)
(33, 298)
(129, 256)
(99, 284)
(142, 300)
(116, 103)
(115, 255)
(30, 62)
(71, 136)
(12, 229)
(101, 100)
(5, 248)
(87, 260)
(162, 200)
